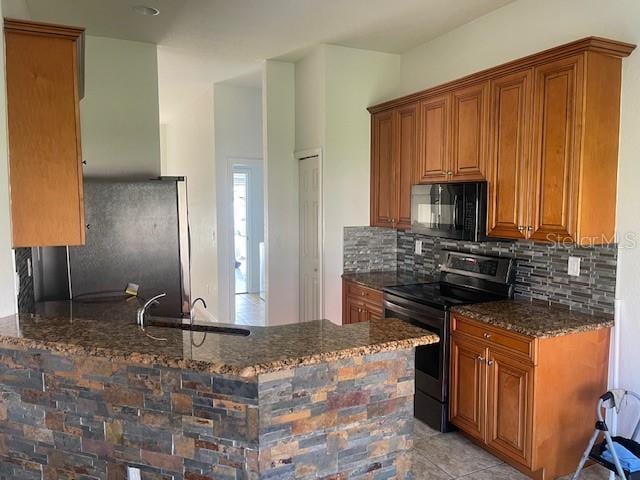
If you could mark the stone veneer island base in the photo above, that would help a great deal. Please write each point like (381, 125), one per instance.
(77, 409)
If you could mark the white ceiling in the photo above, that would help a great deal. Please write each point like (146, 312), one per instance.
(206, 41)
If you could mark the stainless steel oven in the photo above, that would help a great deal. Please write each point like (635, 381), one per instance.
(465, 278)
(432, 361)
(450, 210)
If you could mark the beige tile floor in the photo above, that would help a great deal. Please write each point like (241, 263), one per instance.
(447, 456)
(249, 309)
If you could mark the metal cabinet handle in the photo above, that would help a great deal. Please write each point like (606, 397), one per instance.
(529, 228)
(486, 335)
(490, 362)
(521, 228)
(363, 293)
(480, 358)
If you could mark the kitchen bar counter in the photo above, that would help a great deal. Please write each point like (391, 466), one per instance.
(534, 319)
(387, 278)
(109, 331)
(89, 395)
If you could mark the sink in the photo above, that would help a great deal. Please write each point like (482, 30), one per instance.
(241, 332)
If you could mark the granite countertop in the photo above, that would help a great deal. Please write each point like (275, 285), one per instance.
(534, 319)
(110, 331)
(387, 278)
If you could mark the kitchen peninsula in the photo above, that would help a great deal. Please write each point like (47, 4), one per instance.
(90, 394)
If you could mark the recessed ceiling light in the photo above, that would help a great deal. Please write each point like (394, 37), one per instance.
(148, 11)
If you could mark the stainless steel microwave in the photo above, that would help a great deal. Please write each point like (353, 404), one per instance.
(450, 210)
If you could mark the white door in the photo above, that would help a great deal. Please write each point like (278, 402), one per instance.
(310, 238)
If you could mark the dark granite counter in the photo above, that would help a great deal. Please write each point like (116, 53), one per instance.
(387, 278)
(88, 394)
(109, 331)
(534, 319)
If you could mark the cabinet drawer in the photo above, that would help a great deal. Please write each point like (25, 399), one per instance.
(367, 294)
(513, 342)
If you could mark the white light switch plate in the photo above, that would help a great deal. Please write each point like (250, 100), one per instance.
(418, 247)
(573, 267)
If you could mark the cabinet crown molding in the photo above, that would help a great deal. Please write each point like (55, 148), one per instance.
(38, 28)
(589, 44)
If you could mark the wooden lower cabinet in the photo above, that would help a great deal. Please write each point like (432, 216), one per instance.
(360, 303)
(509, 401)
(529, 401)
(467, 384)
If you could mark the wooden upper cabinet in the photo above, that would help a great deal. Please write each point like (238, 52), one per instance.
(394, 157)
(44, 134)
(469, 111)
(383, 175)
(556, 148)
(542, 130)
(406, 155)
(435, 133)
(508, 169)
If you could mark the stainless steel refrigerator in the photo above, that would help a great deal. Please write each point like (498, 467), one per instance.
(138, 233)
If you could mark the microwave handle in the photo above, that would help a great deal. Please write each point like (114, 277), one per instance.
(455, 211)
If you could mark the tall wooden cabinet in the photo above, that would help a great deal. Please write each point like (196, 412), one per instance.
(393, 159)
(510, 142)
(558, 92)
(435, 134)
(43, 90)
(543, 132)
(523, 398)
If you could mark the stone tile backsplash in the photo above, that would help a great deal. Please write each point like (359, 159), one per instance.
(368, 249)
(541, 269)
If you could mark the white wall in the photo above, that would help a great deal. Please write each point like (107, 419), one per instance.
(334, 87)
(190, 152)
(528, 26)
(7, 275)
(119, 113)
(281, 192)
(238, 133)
(311, 108)
(356, 79)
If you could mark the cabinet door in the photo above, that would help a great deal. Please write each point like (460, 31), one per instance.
(44, 135)
(434, 139)
(352, 311)
(508, 168)
(556, 140)
(383, 180)
(469, 132)
(509, 406)
(406, 155)
(371, 314)
(467, 386)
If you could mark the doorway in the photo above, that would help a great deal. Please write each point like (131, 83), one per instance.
(240, 218)
(248, 240)
(311, 236)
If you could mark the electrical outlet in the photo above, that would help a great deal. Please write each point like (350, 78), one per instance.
(133, 473)
(418, 247)
(573, 266)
